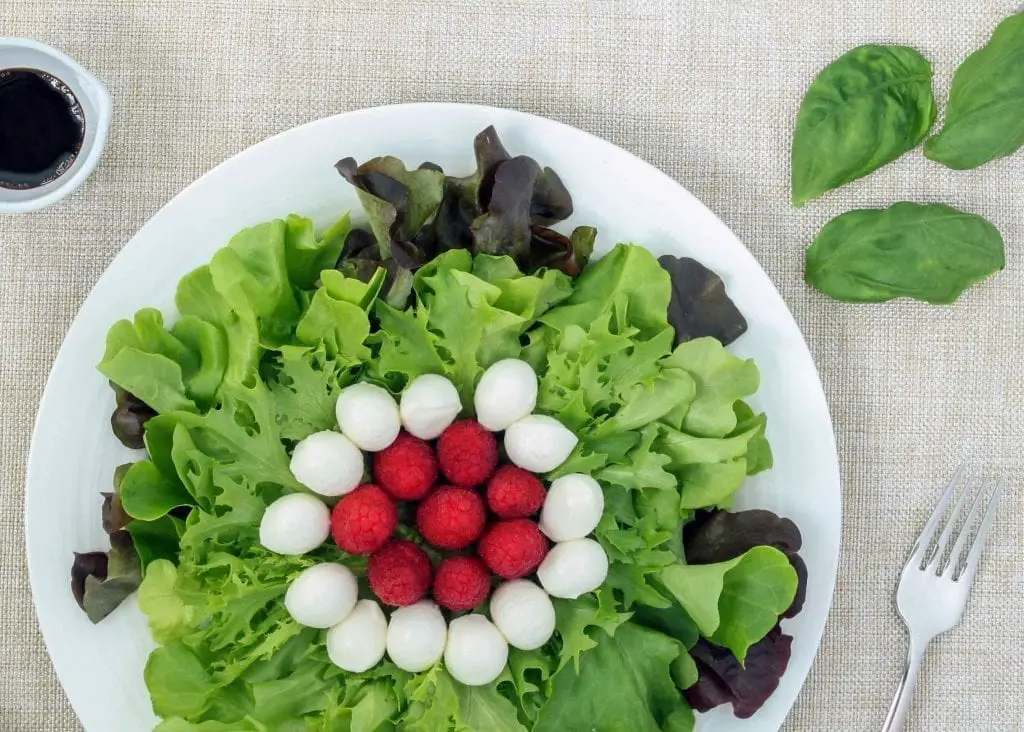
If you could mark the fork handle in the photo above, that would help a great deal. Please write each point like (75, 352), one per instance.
(905, 691)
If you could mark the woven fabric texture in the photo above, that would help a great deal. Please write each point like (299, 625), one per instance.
(707, 92)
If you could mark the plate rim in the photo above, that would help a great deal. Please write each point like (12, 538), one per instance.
(47, 396)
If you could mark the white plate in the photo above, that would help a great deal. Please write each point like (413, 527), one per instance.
(74, 454)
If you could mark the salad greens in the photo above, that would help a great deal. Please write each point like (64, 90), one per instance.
(282, 319)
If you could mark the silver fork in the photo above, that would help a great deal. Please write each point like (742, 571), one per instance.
(933, 588)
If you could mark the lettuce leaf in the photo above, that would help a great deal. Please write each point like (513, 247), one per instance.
(151, 362)
(623, 682)
(628, 273)
(461, 323)
(574, 620)
(197, 296)
(337, 318)
(305, 385)
(306, 256)
(722, 379)
(270, 333)
(735, 603)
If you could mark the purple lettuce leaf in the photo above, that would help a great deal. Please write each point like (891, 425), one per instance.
(700, 306)
(723, 680)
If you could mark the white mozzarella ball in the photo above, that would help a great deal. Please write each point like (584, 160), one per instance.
(523, 613)
(322, 595)
(538, 443)
(507, 392)
(476, 651)
(356, 644)
(295, 524)
(328, 463)
(573, 568)
(416, 636)
(368, 415)
(429, 404)
(572, 507)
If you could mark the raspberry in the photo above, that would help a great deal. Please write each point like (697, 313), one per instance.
(514, 493)
(461, 583)
(451, 517)
(406, 469)
(514, 548)
(364, 520)
(467, 453)
(399, 573)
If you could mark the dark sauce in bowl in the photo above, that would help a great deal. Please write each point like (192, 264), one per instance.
(42, 127)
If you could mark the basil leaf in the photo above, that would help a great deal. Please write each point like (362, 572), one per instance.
(930, 252)
(985, 119)
(864, 110)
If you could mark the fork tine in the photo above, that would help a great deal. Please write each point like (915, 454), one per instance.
(965, 531)
(947, 530)
(979, 540)
(918, 552)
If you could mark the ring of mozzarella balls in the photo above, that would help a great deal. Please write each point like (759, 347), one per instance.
(522, 615)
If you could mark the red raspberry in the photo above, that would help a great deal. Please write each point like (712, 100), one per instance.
(451, 517)
(514, 548)
(461, 583)
(514, 493)
(364, 520)
(406, 469)
(399, 573)
(467, 453)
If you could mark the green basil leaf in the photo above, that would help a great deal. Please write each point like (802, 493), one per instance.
(985, 119)
(930, 252)
(864, 110)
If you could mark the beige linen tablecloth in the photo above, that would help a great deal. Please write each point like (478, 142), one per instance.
(707, 91)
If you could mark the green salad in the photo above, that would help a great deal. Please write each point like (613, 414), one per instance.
(449, 276)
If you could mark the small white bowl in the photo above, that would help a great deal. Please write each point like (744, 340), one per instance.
(21, 53)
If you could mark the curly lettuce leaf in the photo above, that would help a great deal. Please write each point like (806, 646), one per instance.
(528, 672)
(305, 385)
(576, 622)
(306, 255)
(169, 617)
(335, 320)
(197, 296)
(605, 354)
(242, 436)
(470, 328)
(735, 603)
(407, 348)
(251, 274)
(169, 370)
(461, 323)
(628, 273)
(721, 380)
(438, 702)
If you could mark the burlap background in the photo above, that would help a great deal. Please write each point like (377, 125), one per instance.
(705, 91)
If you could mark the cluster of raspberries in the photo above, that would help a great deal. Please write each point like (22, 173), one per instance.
(468, 507)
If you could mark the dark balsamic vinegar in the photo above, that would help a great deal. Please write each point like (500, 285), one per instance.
(41, 128)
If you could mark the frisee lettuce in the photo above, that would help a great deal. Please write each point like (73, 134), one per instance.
(268, 336)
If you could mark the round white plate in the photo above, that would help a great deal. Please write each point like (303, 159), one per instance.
(74, 453)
